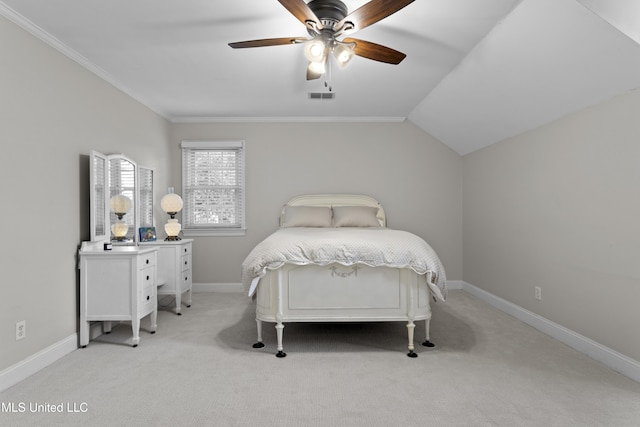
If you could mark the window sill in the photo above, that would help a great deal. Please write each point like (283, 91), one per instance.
(214, 232)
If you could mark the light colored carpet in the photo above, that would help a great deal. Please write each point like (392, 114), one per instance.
(199, 369)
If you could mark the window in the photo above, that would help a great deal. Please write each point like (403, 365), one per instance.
(213, 188)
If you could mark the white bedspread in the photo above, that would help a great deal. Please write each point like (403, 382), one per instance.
(374, 247)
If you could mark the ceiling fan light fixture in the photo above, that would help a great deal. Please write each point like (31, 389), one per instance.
(327, 22)
(317, 67)
(343, 53)
(315, 50)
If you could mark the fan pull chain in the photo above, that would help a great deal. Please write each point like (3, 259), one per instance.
(327, 81)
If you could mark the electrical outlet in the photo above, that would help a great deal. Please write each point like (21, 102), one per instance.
(21, 329)
(538, 293)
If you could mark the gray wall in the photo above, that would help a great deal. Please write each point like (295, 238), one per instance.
(559, 208)
(416, 179)
(52, 114)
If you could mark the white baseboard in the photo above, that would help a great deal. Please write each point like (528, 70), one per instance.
(32, 364)
(218, 287)
(610, 358)
(454, 285)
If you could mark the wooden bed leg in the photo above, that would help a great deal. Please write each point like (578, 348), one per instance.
(410, 328)
(279, 328)
(426, 342)
(259, 344)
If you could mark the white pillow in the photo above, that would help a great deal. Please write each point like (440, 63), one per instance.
(307, 216)
(355, 216)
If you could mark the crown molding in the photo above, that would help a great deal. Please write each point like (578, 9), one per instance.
(70, 53)
(196, 119)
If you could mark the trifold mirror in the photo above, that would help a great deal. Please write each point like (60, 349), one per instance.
(121, 198)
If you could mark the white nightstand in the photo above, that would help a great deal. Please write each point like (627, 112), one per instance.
(117, 285)
(174, 269)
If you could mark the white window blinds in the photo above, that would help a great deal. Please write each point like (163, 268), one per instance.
(213, 187)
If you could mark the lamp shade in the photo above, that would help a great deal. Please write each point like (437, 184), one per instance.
(171, 203)
(120, 204)
(172, 228)
(119, 230)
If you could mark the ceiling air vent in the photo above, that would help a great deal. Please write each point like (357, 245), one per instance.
(321, 95)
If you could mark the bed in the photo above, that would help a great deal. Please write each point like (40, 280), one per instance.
(333, 259)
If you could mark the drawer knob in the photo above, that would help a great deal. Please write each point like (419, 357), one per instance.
(147, 277)
(147, 262)
(148, 297)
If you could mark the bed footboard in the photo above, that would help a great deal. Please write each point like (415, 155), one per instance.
(337, 293)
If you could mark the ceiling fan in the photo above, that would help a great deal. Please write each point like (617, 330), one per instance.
(329, 20)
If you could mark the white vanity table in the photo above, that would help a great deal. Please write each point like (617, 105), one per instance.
(174, 269)
(117, 285)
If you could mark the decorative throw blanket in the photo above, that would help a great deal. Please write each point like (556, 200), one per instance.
(374, 247)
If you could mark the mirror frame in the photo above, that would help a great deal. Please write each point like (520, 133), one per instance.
(106, 177)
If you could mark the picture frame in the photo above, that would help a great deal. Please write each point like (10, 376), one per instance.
(147, 234)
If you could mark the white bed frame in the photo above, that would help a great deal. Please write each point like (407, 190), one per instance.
(338, 293)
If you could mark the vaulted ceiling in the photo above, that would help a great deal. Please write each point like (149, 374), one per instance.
(476, 72)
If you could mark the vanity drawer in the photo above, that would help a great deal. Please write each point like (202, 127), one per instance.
(147, 299)
(147, 277)
(185, 280)
(185, 249)
(185, 262)
(148, 260)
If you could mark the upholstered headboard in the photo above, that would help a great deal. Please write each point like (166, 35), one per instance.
(333, 200)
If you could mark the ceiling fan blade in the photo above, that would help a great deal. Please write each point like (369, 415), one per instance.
(268, 42)
(300, 10)
(372, 12)
(375, 51)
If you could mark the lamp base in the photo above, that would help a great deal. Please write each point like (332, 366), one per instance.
(172, 238)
